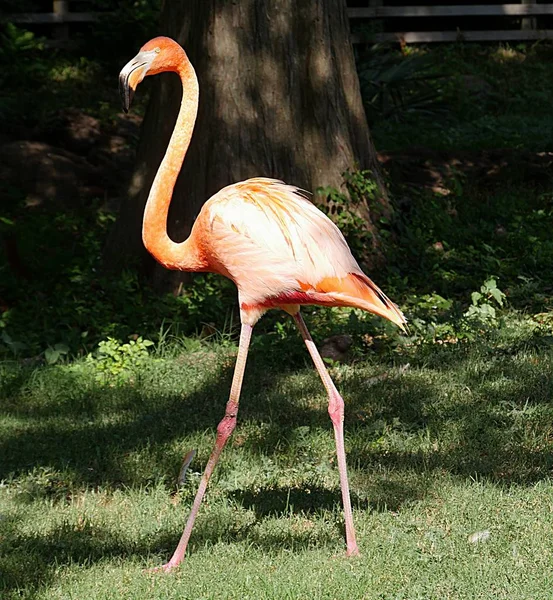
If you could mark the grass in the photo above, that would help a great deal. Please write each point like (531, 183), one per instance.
(442, 443)
(423, 554)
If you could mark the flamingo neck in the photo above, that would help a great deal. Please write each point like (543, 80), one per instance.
(182, 256)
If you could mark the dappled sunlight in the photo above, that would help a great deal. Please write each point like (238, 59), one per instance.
(507, 54)
(81, 73)
(105, 459)
(320, 66)
(460, 416)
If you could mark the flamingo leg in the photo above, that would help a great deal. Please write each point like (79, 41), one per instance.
(224, 431)
(336, 412)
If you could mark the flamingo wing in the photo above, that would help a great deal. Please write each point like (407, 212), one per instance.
(282, 250)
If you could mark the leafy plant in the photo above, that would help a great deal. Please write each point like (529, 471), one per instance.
(346, 208)
(19, 49)
(116, 359)
(55, 353)
(15, 347)
(393, 85)
(484, 302)
(17, 44)
(473, 110)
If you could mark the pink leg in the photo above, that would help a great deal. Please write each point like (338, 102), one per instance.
(224, 430)
(336, 412)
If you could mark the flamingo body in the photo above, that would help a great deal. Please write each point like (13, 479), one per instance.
(281, 251)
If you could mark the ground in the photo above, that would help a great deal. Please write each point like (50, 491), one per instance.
(450, 456)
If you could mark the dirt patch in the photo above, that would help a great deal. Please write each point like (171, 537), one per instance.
(73, 158)
(48, 175)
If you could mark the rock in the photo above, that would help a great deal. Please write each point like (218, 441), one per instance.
(114, 154)
(115, 151)
(476, 85)
(336, 347)
(48, 174)
(108, 145)
(128, 125)
(73, 130)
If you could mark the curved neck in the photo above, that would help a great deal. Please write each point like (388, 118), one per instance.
(182, 256)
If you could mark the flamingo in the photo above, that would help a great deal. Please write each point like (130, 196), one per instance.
(270, 240)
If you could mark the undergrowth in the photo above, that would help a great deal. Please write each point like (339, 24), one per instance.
(456, 97)
(450, 260)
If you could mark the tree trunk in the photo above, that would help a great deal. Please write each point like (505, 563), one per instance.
(279, 97)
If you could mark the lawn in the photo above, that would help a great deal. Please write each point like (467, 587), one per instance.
(449, 429)
(450, 449)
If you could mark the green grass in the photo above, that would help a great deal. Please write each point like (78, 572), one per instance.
(459, 441)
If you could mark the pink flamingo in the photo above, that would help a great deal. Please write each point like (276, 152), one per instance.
(264, 235)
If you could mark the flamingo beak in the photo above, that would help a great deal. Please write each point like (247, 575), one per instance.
(132, 74)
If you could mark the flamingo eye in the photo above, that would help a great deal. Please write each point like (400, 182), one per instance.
(157, 50)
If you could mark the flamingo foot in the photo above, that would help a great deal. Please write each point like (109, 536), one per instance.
(166, 568)
(353, 551)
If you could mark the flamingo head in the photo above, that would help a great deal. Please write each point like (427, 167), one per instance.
(158, 55)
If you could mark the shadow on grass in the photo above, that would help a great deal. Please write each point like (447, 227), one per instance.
(312, 499)
(32, 561)
(89, 430)
(487, 417)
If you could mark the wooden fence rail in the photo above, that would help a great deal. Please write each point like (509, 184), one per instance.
(527, 10)
(61, 17)
(462, 10)
(60, 14)
(45, 18)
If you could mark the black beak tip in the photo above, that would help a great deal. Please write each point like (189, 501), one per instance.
(126, 94)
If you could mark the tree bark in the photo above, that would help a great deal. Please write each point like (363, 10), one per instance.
(279, 97)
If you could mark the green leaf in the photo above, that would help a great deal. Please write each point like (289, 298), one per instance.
(498, 295)
(51, 355)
